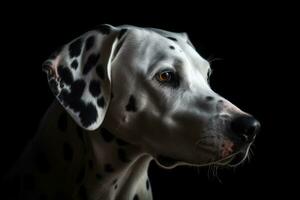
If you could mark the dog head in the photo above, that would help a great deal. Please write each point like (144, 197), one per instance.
(150, 88)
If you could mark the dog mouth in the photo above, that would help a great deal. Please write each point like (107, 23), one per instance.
(234, 159)
(231, 161)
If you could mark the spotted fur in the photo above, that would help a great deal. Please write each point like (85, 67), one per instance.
(110, 119)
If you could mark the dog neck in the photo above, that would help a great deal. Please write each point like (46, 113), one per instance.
(117, 169)
(96, 164)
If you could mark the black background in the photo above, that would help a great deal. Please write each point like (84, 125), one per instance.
(247, 40)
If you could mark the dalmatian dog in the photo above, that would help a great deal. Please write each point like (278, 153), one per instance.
(125, 96)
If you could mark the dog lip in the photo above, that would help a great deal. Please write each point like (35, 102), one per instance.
(234, 159)
(226, 160)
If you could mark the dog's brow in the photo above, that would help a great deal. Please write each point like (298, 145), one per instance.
(159, 57)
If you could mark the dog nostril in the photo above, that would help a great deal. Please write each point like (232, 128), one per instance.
(209, 98)
(246, 127)
(221, 101)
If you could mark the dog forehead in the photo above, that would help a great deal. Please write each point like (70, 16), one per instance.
(141, 36)
(148, 45)
(186, 48)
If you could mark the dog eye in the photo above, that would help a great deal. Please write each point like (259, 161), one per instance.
(165, 76)
(168, 78)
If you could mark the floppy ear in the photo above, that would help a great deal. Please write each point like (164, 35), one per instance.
(79, 75)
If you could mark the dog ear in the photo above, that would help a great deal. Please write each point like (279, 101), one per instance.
(79, 75)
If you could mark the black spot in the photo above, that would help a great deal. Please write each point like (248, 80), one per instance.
(65, 74)
(89, 43)
(121, 142)
(67, 152)
(90, 63)
(147, 184)
(108, 168)
(209, 98)
(100, 71)
(80, 175)
(75, 48)
(74, 64)
(82, 193)
(115, 184)
(53, 86)
(95, 89)
(171, 38)
(136, 197)
(171, 47)
(106, 135)
(101, 102)
(87, 112)
(122, 32)
(76, 89)
(99, 177)
(62, 122)
(131, 106)
(123, 155)
(91, 164)
(104, 29)
(88, 115)
(42, 162)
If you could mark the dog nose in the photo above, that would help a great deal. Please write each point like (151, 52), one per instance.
(246, 127)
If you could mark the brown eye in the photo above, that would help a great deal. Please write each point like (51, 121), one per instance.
(165, 76)
(168, 78)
